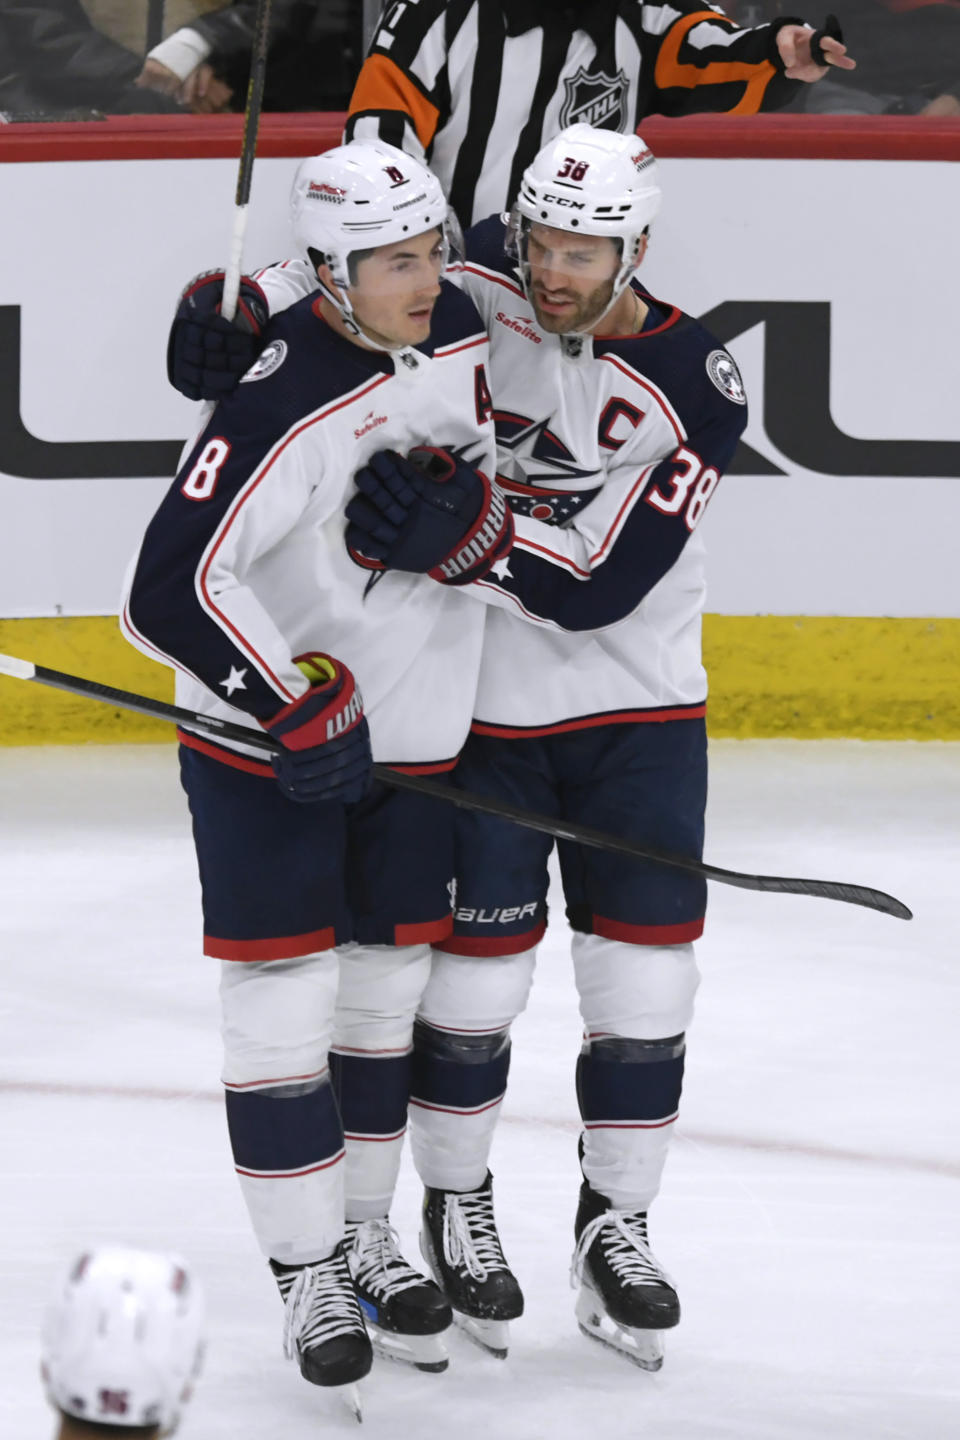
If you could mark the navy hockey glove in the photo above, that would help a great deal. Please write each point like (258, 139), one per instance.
(326, 754)
(206, 355)
(431, 514)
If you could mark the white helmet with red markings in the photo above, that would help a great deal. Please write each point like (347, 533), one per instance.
(589, 182)
(122, 1342)
(360, 196)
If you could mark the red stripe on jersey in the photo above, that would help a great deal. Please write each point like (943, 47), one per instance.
(523, 544)
(252, 485)
(464, 345)
(655, 394)
(647, 934)
(589, 722)
(492, 275)
(493, 945)
(635, 492)
(225, 757)
(280, 947)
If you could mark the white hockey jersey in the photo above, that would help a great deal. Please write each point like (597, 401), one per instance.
(624, 439)
(609, 450)
(244, 564)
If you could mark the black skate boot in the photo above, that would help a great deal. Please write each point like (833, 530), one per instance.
(323, 1326)
(625, 1298)
(406, 1313)
(459, 1242)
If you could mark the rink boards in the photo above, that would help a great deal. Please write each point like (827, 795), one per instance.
(823, 256)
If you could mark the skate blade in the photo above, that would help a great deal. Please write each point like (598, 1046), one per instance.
(491, 1335)
(423, 1352)
(643, 1348)
(350, 1396)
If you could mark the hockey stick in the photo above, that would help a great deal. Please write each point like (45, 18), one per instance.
(251, 124)
(548, 824)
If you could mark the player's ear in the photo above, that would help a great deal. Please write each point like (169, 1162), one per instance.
(325, 276)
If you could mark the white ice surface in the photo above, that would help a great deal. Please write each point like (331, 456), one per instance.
(810, 1208)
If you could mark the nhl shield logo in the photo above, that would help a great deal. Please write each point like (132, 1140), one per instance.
(595, 98)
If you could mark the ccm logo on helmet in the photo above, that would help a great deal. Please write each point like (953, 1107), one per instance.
(565, 200)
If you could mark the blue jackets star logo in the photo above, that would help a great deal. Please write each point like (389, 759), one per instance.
(234, 680)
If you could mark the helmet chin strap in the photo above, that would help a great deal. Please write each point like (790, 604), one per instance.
(345, 310)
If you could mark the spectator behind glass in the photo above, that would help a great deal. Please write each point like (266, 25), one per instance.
(53, 60)
(315, 52)
(908, 58)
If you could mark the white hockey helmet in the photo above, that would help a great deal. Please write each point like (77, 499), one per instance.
(122, 1341)
(589, 182)
(360, 196)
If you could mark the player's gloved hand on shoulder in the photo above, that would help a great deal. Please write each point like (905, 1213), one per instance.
(326, 754)
(206, 354)
(429, 513)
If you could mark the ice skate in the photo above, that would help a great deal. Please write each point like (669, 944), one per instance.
(406, 1313)
(459, 1242)
(626, 1299)
(324, 1329)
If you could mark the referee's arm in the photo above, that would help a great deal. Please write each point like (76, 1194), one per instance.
(703, 61)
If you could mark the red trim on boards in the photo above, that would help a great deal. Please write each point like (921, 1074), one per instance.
(755, 137)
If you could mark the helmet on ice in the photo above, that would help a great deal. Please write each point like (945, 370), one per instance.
(588, 182)
(361, 196)
(122, 1341)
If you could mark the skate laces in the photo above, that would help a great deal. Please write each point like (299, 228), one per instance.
(377, 1262)
(319, 1306)
(625, 1248)
(470, 1238)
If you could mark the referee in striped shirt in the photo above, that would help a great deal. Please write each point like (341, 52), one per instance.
(476, 87)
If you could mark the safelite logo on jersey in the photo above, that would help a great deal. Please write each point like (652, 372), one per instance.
(370, 422)
(521, 325)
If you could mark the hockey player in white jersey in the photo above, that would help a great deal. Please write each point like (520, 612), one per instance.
(244, 584)
(616, 416)
(122, 1344)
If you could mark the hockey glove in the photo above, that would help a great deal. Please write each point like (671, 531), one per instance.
(326, 754)
(206, 355)
(431, 514)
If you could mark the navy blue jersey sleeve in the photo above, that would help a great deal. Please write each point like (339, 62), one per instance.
(598, 570)
(241, 490)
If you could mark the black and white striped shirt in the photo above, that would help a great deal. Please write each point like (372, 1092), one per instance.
(477, 87)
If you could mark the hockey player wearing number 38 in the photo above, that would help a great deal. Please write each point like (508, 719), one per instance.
(617, 413)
